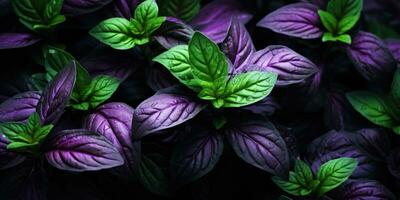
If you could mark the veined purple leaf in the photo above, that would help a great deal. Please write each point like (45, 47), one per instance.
(297, 20)
(56, 95)
(196, 157)
(394, 47)
(334, 145)
(266, 106)
(338, 111)
(114, 122)
(258, 143)
(174, 32)
(124, 8)
(238, 45)
(214, 18)
(158, 77)
(17, 40)
(104, 61)
(8, 159)
(78, 7)
(163, 111)
(81, 150)
(290, 66)
(19, 107)
(371, 57)
(365, 190)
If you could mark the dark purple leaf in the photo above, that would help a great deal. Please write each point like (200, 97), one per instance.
(365, 190)
(104, 61)
(163, 111)
(19, 107)
(81, 150)
(259, 143)
(196, 157)
(8, 159)
(124, 8)
(36, 185)
(173, 33)
(266, 106)
(297, 20)
(17, 40)
(393, 161)
(334, 145)
(371, 57)
(338, 110)
(290, 66)
(56, 95)
(238, 45)
(394, 47)
(214, 18)
(372, 141)
(158, 77)
(78, 7)
(114, 122)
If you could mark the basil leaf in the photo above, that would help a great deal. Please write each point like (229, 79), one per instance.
(176, 60)
(146, 14)
(373, 107)
(116, 33)
(14, 131)
(344, 8)
(34, 122)
(248, 88)
(22, 146)
(345, 38)
(346, 23)
(334, 172)
(328, 20)
(303, 172)
(292, 186)
(208, 63)
(38, 15)
(185, 10)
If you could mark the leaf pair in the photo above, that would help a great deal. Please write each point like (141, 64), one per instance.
(202, 67)
(120, 33)
(380, 109)
(330, 175)
(340, 17)
(39, 15)
(25, 137)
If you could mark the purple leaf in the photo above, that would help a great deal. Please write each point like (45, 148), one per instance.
(173, 33)
(290, 66)
(19, 107)
(297, 20)
(56, 95)
(394, 47)
(258, 143)
(78, 7)
(114, 122)
(214, 18)
(238, 45)
(393, 161)
(196, 157)
(17, 40)
(365, 190)
(81, 150)
(124, 8)
(8, 159)
(266, 106)
(158, 77)
(338, 111)
(104, 61)
(334, 145)
(371, 57)
(163, 111)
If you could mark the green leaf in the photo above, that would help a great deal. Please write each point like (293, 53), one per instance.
(38, 81)
(100, 89)
(328, 20)
(248, 88)
(33, 122)
(116, 32)
(22, 146)
(373, 107)
(345, 38)
(208, 63)
(345, 24)
(41, 133)
(146, 11)
(344, 8)
(395, 89)
(38, 15)
(15, 132)
(152, 177)
(215, 92)
(185, 10)
(382, 30)
(176, 60)
(303, 172)
(334, 172)
(329, 37)
(219, 121)
(153, 24)
(396, 130)
(292, 186)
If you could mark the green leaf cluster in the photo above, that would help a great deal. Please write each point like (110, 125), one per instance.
(340, 17)
(330, 175)
(25, 137)
(202, 67)
(380, 109)
(120, 33)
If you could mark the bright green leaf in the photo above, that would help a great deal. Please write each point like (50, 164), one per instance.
(374, 107)
(15, 131)
(248, 88)
(41, 133)
(345, 24)
(185, 10)
(33, 122)
(153, 24)
(344, 8)
(334, 172)
(292, 186)
(303, 172)
(328, 20)
(22, 146)
(146, 11)
(345, 38)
